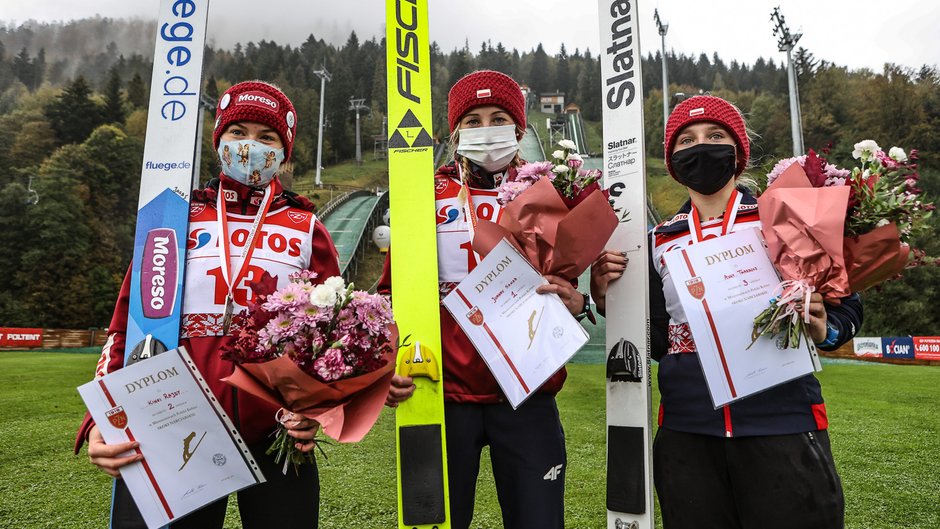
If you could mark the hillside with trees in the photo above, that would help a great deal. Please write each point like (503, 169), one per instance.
(74, 98)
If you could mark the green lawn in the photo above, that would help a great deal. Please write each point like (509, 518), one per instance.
(884, 424)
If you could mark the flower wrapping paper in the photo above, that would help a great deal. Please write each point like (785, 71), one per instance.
(875, 257)
(804, 227)
(555, 239)
(346, 408)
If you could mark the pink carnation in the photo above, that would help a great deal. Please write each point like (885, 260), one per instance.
(535, 170)
(508, 191)
(331, 365)
(292, 295)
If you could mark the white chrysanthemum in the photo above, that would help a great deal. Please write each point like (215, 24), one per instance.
(568, 144)
(336, 283)
(865, 150)
(897, 154)
(574, 156)
(323, 296)
(558, 155)
(560, 169)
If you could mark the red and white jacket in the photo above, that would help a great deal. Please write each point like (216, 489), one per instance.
(466, 377)
(290, 239)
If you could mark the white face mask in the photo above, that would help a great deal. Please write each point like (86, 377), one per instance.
(492, 148)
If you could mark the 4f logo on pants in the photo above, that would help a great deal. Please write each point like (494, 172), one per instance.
(553, 473)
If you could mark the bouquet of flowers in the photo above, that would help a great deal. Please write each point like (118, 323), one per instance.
(323, 351)
(555, 214)
(565, 172)
(884, 213)
(879, 212)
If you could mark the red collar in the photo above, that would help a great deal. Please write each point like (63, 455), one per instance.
(238, 192)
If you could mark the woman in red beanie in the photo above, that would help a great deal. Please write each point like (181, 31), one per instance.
(763, 461)
(255, 128)
(486, 112)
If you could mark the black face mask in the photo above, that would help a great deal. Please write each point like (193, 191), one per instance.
(704, 168)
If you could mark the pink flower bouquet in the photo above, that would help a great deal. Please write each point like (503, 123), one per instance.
(324, 351)
(555, 214)
(884, 211)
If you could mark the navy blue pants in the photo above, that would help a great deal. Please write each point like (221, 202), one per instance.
(285, 501)
(527, 451)
(767, 482)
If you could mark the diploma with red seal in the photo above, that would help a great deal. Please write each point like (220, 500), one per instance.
(524, 337)
(193, 455)
(722, 284)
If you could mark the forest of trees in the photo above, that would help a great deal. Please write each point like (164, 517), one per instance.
(74, 97)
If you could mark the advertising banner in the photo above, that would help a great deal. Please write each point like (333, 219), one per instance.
(868, 346)
(897, 347)
(19, 337)
(927, 347)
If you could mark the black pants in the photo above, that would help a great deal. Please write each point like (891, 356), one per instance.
(286, 501)
(527, 451)
(782, 481)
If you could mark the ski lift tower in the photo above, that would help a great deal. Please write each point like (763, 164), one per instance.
(786, 42)
(324, 77)
(358, 105)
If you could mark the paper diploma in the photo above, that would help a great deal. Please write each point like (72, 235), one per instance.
(723, 284)
(524, 337)
(191, 450)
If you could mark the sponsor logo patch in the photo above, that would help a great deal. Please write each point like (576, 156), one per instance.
(298, 217)
(256, 99)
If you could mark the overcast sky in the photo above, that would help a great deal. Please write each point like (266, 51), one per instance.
(856, 33)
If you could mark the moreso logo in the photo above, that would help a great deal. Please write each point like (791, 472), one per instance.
(158, 273)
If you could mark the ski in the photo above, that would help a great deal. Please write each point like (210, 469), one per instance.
(420, 439)
(156, 295)
(629, 428)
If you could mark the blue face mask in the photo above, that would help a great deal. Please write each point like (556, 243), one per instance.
(249, 162)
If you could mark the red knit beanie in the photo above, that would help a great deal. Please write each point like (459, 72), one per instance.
(712, 109)
(485, 87)
(261, 102)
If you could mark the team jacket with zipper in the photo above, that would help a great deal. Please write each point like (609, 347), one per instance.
(794, 407)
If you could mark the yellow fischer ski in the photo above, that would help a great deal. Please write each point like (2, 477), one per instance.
(422, 451)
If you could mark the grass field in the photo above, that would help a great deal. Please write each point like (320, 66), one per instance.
(884, 423)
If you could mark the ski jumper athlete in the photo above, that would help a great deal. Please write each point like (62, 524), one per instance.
(764, 461)
(257, 121)
(486, 112)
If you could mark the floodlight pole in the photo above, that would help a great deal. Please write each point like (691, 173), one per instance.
(786, 42)
(662, 33)
(357, 105)
(324, 77)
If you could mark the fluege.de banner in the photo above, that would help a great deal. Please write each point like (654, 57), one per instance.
(18, 337)
(927, 347)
